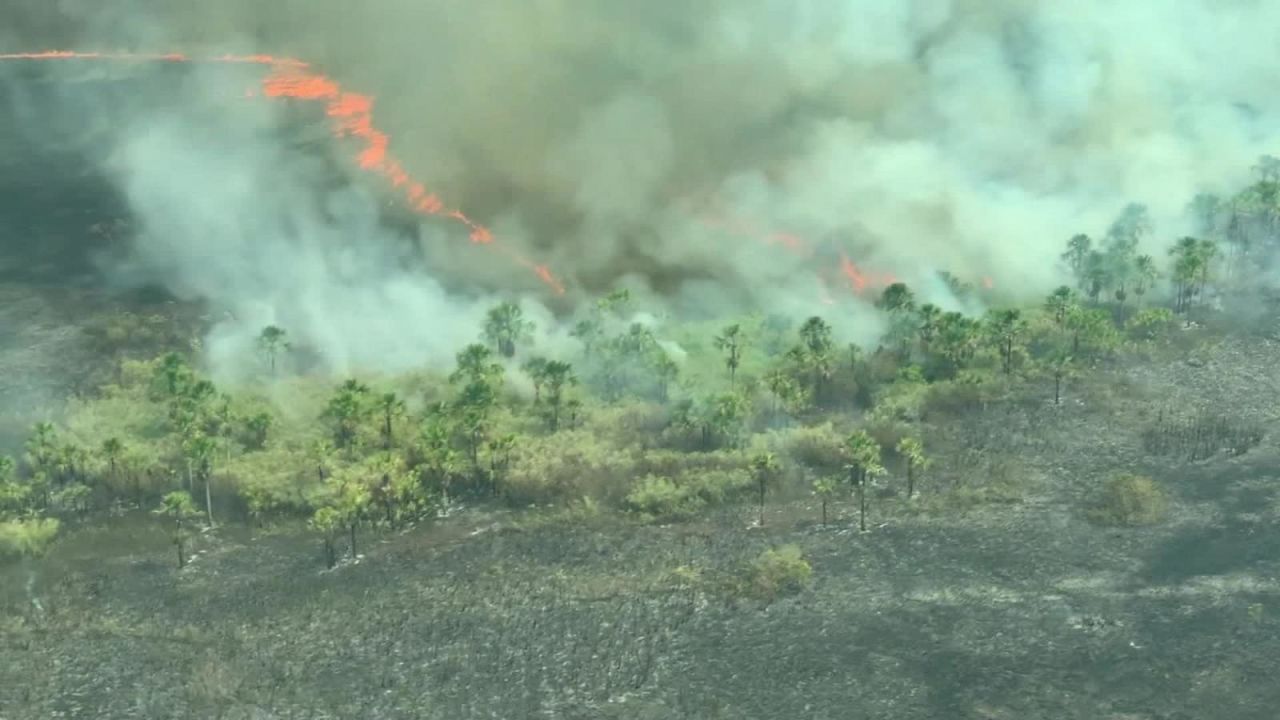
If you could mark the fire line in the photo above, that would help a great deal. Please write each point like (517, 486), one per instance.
(352, 117)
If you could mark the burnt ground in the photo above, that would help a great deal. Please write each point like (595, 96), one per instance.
(1020, 610)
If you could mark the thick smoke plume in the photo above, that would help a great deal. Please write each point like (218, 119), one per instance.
(968, 135)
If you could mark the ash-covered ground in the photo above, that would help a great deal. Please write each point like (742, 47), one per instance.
(1004, 611)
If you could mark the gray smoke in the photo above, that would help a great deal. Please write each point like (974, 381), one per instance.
(968, 135)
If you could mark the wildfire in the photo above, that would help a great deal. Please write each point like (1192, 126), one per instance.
(352, 117)
(850, 274)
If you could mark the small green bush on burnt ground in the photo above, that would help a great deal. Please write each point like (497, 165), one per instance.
(666, 499)
(1129, 500)
(1151, 324)
(19, 538)
(775, 573)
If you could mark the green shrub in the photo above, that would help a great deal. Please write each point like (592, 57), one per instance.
(776, 573)
(20, 538)
(676, 464)
(568, 466)
(1129, 500)
(629, 422)
(968, 391)
(716, 487)
(1151, 324)
(904, 399)
(661, 499)
(817, 447)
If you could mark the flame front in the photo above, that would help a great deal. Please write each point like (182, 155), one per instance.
(352, 117)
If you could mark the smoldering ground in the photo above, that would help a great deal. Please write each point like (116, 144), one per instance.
(967, 135)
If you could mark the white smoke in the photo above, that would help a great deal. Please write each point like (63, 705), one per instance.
(228, 214)
(974, 136)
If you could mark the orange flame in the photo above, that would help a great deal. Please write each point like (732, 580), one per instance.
(853, 274)
(352, 116)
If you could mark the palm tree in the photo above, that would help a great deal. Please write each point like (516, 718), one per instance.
(200, 449)
(1145, 275)
(813, 355)
(764, 468)
(559, 377)
(930, 316)
(729, 341)
(862, 455)
(723, 417)
(666, 371)
(1060, 367)
(472, 408)
(112, 449)
(174, 373)
(320, 452)
(326, 521)
(825, 488)
(1059, 303)
(958, 338)
(505, 327)
(1096, 275)
(439, 461)
(1005, 327)
(1207, 251)
(536, 369)
(391, 407)
(1187, 261)
(897, 298)
(912, 450)
(781, 386)
(1237, 235)
(1078, 248)
(42, 447)
(500, 459)
(272, 341)
(475, 364)
(351, 500)
(588, 332)
(178, 506)
(346, 409)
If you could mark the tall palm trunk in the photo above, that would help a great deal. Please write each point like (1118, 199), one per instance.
(208, 493)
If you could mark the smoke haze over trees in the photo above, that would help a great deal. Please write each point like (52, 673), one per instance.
(915, 136)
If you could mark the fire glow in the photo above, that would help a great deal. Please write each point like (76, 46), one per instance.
(352, 117)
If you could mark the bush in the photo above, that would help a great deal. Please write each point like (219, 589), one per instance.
(967, 392)
(776, 573)
(568, 466)
(903, 400)
(817, 448)
(1151, 324)
(630, 422)
(716, 487)
(676, 464)
(661, 499)
(20, 538)
(1129, 500)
